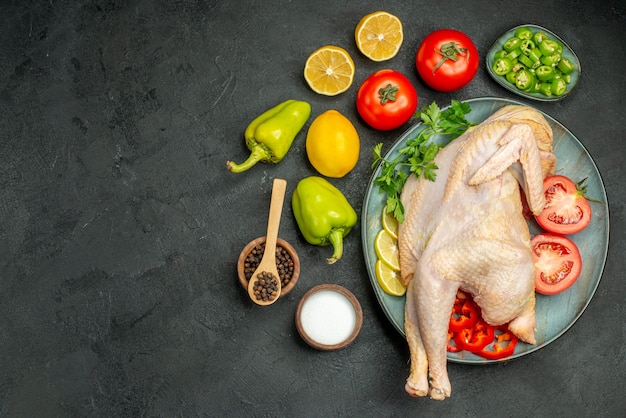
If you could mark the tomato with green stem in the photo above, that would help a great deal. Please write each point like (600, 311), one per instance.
(447, 60)
(386, 100)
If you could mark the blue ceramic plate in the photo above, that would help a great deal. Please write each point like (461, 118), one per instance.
(555, 314)
(567, 52)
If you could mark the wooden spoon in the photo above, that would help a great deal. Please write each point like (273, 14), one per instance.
(268, 262)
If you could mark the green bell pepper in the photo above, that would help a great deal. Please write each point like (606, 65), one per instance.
(270, 135)
(323, 214)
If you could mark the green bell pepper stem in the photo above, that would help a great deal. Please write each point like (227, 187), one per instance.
(259, 152)
(336, 240)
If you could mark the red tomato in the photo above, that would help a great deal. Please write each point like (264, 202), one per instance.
(447, 60)
(386, 100)
(557, 263)
(567, 209)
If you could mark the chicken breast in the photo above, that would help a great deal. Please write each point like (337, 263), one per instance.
(466, 231)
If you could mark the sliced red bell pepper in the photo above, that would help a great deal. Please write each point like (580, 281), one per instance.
(502, 346)
(451, 346)
(476, 338)
(465, 314)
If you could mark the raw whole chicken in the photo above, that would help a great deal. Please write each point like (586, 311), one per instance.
(466, 231)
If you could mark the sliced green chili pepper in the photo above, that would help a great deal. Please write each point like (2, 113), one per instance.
(535, 54)
(514, 53)
(511, 44)
(546, 89)
(558, 86)
(549, 47)
(535, 87)
(566, 65)
(538, 37)
(501, 53)
(511, 76)
(518, 66)
(545, 73)
(526, 61)
(533, 62)
(524, 79)
(552, 60)
(527, 46)
(502, 66)
(524, 33)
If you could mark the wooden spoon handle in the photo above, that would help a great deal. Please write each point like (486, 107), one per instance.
(276, 208)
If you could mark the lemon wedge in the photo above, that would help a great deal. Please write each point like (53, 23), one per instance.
(389, 279)
(329, 70)
(390, 224)
(379, 35)
(386, 248)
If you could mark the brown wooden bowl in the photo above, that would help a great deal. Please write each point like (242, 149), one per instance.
(329, 317)
(279, 243)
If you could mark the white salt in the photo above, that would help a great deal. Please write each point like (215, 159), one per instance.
(328, 317)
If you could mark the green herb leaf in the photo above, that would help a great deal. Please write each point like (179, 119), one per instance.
(419, 153)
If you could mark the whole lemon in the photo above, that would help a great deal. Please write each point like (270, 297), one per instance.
(332, 144)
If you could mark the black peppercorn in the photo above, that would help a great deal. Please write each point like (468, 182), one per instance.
(265, 286)
(284, 263)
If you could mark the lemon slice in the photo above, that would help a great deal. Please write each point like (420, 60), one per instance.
(379, 36)
(389, 279)
(329, 70)
(386, 248)
(390, 224)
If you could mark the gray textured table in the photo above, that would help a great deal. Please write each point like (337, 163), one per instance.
(120, 226)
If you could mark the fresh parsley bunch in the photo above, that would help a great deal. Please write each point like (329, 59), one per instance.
(419, 153)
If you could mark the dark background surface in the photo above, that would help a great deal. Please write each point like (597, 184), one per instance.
(120, 226)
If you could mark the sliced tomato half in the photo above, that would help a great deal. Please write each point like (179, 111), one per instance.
(557, 263)
(567, 209)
